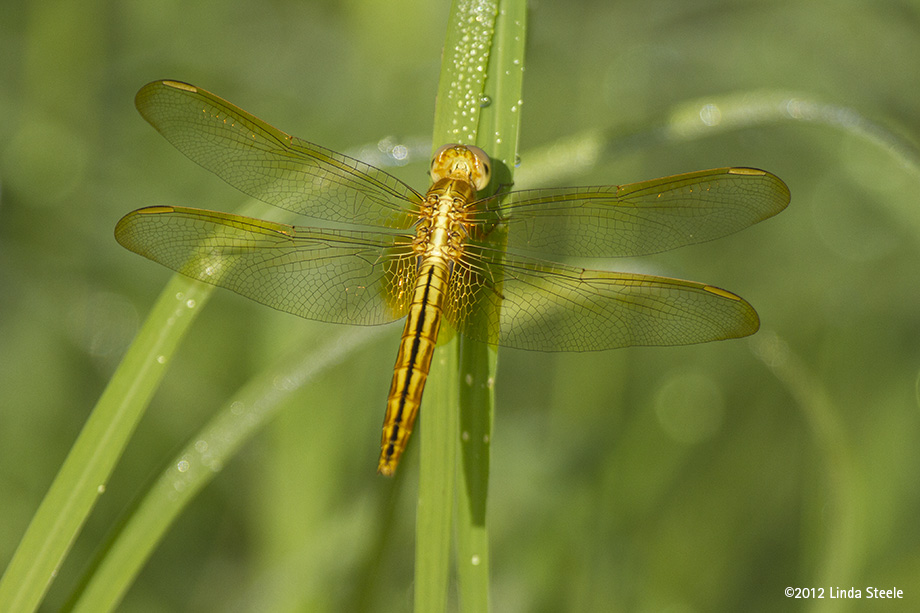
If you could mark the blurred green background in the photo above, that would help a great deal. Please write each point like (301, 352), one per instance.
(685, 479)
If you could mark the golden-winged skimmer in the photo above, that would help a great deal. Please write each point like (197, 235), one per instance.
(433, 255)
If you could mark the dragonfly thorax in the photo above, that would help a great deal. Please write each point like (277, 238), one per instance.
(443, 219)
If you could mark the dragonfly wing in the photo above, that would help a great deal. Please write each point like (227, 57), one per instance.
(544, 306)
(272, 166)
(339, 276)
(636, 219)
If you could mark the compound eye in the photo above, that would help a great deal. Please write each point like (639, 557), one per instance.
(485, 165)
(442, 149)
(444, 160)
(462, 162)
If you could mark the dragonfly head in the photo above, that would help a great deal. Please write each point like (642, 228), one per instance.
(462, 162)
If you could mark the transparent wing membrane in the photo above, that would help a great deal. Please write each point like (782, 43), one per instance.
(338, 276)
(272, 166)
(544, 306)
(640, 218)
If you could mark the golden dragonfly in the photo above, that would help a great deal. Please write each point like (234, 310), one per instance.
(445, 253)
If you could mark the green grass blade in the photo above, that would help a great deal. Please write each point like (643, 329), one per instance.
(499, 126)
(464, 64)
(201, 460)
(82, 477)
(477, 362)
(463, 71)
(479, 102)
(438, 456)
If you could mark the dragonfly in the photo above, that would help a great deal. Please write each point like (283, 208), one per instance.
(488, 266)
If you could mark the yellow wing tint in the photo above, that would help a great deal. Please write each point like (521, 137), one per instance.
(639, 218)
(265, 163)
(545, 306)
(338, 276)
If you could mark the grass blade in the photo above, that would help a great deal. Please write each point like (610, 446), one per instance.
(82, 477)
(479, 100)
(463, 72)
(499, 127)
(201, 461)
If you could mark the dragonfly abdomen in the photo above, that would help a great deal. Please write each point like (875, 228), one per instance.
(413, 361)
(457, 173)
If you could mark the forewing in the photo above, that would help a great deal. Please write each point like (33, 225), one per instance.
(272, 166)
(339, 276)
(636, 219)
(545, 306)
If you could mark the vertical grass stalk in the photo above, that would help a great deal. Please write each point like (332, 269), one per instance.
(499, 126)
(479, 100)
